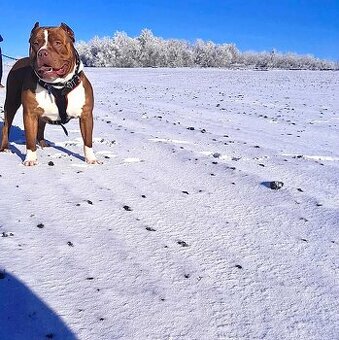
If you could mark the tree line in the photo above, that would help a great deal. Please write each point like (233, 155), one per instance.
(148, 50)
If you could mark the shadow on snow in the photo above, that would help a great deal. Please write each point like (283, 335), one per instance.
(23, 315)
(17, 135)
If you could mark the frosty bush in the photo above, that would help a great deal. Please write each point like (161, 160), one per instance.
(147, 50)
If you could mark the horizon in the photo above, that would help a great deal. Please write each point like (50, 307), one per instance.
(301, 27)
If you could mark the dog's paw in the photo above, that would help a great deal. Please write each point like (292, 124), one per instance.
(31, 158)
(30, 163)
(44, 144)
(90, 157)
(93, 161)
(4, 148)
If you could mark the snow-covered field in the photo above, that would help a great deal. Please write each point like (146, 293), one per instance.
(177, 235)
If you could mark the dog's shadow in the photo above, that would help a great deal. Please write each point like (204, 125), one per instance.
(17, 136)
(67, 152)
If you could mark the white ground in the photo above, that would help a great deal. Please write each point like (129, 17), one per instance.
(177, 235)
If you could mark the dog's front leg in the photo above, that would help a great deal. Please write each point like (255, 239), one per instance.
(31, 129)
(86, 127)
(41, 134)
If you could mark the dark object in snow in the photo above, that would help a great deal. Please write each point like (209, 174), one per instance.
(70, 244)
(50, 163)
(238, 266)
(185, 192)
(183, 243)
(89, 202)
(191, 128)
(187, 276)
(150, 229)
(276, 185)
(4, 234)
(127, 208)
(90, 278)
(143, 196)
(216, 155)
(40, 225)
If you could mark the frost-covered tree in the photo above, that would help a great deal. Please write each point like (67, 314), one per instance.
(204, 53)
(152, 52)
(129, 50)
(178, 54)
(147, 50)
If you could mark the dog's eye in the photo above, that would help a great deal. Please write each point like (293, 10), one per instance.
(36, 43)
(57, 43)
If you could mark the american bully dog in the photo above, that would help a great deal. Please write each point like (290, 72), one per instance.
(52, 88)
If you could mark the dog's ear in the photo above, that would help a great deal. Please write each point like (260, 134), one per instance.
(35, 27)
(68, 30)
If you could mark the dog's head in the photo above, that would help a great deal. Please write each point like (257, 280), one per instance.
(52, 52)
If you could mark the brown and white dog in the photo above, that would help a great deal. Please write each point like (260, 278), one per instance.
(52, 88)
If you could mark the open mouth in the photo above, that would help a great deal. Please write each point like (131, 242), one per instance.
(49, 72)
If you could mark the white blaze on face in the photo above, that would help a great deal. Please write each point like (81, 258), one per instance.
(44, 46)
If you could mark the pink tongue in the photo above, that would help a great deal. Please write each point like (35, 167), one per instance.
(59, 71)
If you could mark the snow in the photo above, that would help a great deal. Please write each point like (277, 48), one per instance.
(177, 234)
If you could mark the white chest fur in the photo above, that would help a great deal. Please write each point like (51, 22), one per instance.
(75, 102)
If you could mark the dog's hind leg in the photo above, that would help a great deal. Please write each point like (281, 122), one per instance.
(14, 86)
(12, 103)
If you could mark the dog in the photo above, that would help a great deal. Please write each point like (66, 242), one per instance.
(52, 88)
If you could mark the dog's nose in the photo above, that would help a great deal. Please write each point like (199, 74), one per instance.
(43, 53)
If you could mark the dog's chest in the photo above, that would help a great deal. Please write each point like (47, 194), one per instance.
(75, 102)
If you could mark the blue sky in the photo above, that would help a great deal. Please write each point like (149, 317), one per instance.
(304, 26)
